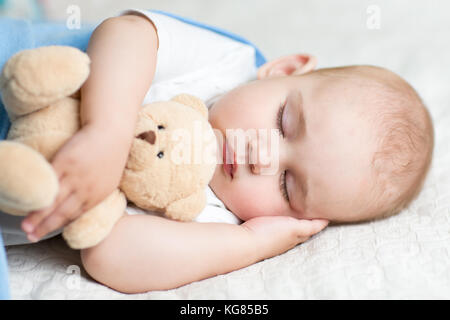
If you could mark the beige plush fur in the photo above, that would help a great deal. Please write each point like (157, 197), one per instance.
(171, 161)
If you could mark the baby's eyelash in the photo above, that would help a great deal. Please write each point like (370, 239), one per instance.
(283, 187)
(280, 118)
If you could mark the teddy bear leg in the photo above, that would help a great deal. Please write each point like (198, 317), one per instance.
(28, 182)
(34, 78)
(94, 225)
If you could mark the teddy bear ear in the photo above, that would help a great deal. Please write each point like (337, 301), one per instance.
(192, 101)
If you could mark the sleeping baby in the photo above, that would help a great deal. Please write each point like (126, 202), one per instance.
(352, 144)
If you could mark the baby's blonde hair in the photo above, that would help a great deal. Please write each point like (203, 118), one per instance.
(405, 137)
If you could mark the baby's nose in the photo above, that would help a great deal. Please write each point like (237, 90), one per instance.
(258, 161)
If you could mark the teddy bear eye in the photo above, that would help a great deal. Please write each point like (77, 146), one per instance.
(161, 127)
(160, 154)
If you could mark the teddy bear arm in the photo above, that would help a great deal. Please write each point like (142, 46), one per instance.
(188, 208)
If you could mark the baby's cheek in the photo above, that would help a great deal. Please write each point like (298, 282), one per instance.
(251, 202)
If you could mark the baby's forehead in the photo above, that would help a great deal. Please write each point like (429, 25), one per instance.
(373, 95)
(364, 77)
(346, 96)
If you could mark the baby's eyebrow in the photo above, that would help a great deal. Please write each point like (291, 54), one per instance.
(297, 112)
(300, 178)
(301, 120)
(302, 181)
(298, 199)
(304, 187)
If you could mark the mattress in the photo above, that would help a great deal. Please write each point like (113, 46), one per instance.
(406, 256)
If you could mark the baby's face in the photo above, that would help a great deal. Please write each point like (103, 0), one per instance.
(318, 166)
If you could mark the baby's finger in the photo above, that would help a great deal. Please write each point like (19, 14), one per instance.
(34, 218)
(66, 212)
(307, 228)
(59, 164)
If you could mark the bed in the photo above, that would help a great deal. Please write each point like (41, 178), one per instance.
(403, 257)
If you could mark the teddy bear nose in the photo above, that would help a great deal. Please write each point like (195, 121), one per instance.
(148, 136)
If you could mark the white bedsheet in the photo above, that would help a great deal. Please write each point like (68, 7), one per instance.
(405, 256)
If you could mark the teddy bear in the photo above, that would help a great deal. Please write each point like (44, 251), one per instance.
(170, 163)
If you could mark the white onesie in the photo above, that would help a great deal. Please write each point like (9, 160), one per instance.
(190, 59)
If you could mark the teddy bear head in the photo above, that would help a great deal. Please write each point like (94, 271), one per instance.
(173, 154)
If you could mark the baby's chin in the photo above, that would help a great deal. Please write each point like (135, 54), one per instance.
(217, 185)
(220, 190)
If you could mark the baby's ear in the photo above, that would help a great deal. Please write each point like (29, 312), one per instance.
(294, 64)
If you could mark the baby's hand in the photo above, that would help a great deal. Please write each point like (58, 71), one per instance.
(89, 167)
(277, 234)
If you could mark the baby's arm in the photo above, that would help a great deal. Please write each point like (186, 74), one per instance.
(123, 53)
(146, 252)
(89, 166)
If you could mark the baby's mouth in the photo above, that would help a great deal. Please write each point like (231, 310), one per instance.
(229, 160)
